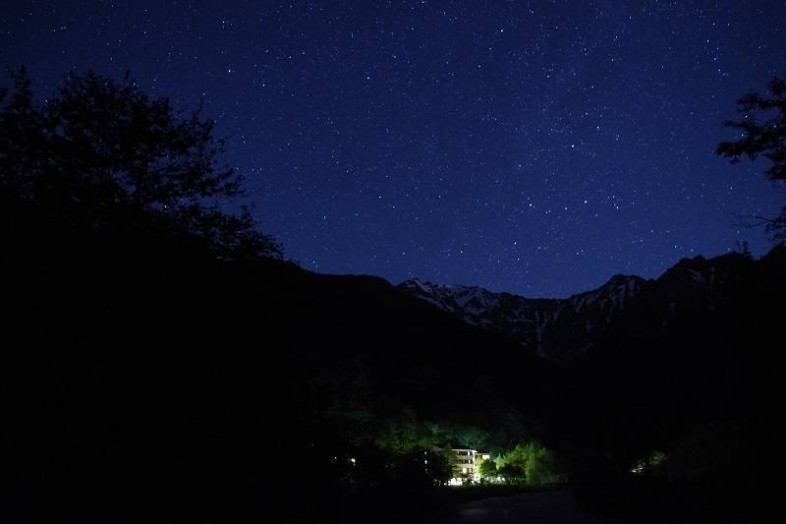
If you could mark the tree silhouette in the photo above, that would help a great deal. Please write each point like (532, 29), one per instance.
(102, 154)
(763, 127)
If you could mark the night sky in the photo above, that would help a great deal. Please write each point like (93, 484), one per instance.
(532, 147)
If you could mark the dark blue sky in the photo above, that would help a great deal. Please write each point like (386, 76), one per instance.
(532, 147)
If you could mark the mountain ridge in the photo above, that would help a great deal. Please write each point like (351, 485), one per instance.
(562, 330)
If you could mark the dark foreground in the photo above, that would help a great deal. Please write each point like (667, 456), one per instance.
(542, 507)
(547, 507)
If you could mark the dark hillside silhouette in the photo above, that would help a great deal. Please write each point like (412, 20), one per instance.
(155, 361)
(204, 386)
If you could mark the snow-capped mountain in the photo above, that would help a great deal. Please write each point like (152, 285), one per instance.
(694, 297)
(557, 329)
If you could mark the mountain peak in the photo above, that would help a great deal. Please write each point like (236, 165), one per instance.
(533, 323)
(563, 329)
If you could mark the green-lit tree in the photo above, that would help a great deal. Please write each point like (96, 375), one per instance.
(762, 125)
(488, 469)
(540, 465)
(531, 464)
(102, 155)
(400, 432)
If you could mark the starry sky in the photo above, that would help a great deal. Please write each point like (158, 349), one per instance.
(535, 147)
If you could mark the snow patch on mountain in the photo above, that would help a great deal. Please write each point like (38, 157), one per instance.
(556, 329)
